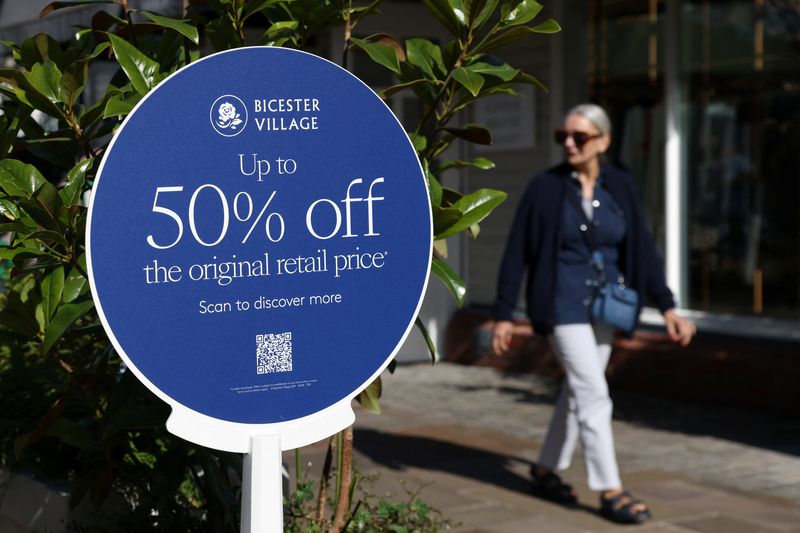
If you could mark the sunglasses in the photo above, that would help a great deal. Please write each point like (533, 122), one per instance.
(578, 137)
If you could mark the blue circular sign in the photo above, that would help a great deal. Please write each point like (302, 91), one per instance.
(259, 236)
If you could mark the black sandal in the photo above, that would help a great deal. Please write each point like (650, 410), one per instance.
(550, 487)
(620, 509)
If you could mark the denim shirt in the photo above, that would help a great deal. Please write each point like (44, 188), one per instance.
(576, 275)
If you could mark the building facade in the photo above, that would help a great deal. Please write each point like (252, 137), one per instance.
(704, 96)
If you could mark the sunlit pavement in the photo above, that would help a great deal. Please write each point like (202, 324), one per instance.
(465, 436)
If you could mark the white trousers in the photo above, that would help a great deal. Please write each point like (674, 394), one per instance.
(583, 409)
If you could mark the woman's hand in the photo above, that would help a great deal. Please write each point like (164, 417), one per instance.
(501, 336)
(679, 329)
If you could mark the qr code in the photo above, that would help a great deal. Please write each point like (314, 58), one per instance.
(274, 352)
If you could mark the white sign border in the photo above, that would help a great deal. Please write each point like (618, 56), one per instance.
(234, 436)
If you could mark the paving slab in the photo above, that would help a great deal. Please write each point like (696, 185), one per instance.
(465, 438)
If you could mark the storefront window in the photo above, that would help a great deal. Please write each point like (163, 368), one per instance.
(625, 74)
(741, 67)
(739, 74)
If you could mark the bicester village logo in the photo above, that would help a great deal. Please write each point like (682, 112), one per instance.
(228, 115)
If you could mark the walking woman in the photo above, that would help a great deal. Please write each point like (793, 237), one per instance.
(548, 239)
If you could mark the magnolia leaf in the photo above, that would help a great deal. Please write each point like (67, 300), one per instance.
(66, 316)
(504, 71)
(52, 288)
(389, 91)
(380, 53)
(139, 68)
(427, 56)
(280, 29)
(45, 78)
(522, 12)
(73, 187)
(434, 187)
(443, 219)
(431, 346)
(480, 11)
(19, 179)
(52, 6)
(440, 247)
(475, 207)
(71, 433)
(451, 280)
(470, 80)
(442, 10)
(75, 284)
(187, 30)
(370, 397)
(474, 134)
(419, 141)
(73, 81)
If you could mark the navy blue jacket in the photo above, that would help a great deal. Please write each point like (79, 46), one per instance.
(535, 239)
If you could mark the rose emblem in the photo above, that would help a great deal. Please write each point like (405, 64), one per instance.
(228, 117)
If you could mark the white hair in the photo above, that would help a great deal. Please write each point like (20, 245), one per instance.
(594, 114)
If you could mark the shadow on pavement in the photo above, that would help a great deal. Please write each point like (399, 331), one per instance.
(400, 452)
(761, 429)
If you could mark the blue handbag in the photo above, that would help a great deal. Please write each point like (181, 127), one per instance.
(616, 305)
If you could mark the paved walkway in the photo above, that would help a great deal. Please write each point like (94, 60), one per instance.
(467, 435)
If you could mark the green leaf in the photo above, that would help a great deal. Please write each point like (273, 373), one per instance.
(389, 91)
(434, 187)
(519, 12)
(45, 78)
(514, 34)
(52, 288)
(119, 105)
(17, 317)
(427, 56)
(71, 192)
(40, 48)
(475, 207)
(222, 35)
(134, 417)
(370, 397)
(95, 112)
(440, 247)
(187, 30)
(451, 280)
(256, 6)
(548, 26)
(74, 81)
(419, 141)
(9, 209)
(280, 29)
(380, 53)
(504, 71)
(460, 10)
(52, 6)
(480, 11)
(442, 10)
(75, 284)
(71, 433)
(66, 316)
(428, 340)
(479, 162)
(443, 219)
(19, 179)
(139, 68)
(472, 81)
(473, 134)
